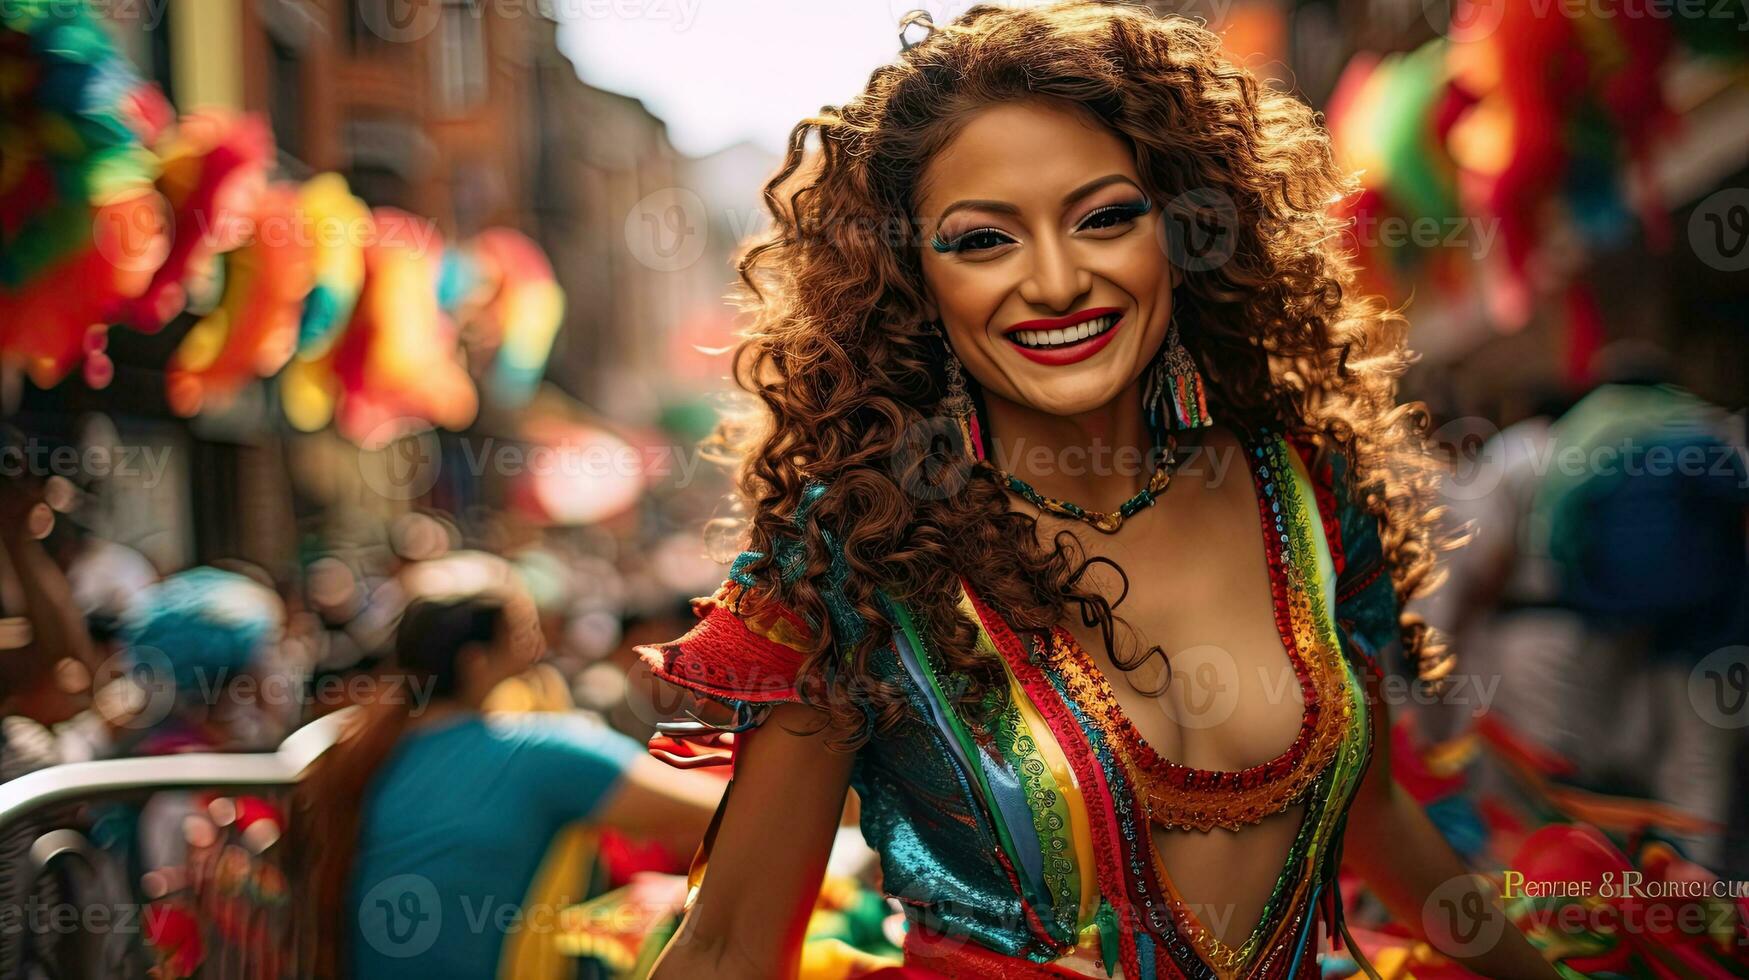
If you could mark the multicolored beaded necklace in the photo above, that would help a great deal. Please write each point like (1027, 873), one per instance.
(1107, 521)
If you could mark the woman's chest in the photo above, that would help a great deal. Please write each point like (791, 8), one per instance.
(1061, 785)
(1198, 653)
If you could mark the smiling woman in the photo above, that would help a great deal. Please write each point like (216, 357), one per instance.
(1115, 237)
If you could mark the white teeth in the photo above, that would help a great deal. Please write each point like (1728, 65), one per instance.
(1065, 335)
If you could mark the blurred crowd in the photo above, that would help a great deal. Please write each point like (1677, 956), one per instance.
(106, 657)
(1600, 606)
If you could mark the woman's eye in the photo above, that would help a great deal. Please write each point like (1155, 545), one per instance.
(1116, 214)
(977, 241)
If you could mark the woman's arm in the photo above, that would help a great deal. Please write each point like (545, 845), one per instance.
(1417, 862)
(656, 802)
(769, 854)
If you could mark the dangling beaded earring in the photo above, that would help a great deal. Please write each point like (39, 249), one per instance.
(1175, 374)
(958, 404)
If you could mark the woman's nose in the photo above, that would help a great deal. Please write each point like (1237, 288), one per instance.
(1056, 279)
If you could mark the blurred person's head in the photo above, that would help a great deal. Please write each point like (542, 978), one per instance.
(196, 644)
(463, 647)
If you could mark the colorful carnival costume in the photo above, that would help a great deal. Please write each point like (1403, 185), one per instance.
(1025, 851)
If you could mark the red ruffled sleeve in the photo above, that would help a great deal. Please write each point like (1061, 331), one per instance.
(745, 652)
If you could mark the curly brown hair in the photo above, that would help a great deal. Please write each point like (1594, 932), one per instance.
(847, 372)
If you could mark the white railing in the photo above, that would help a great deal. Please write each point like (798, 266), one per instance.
(58, 805)
(79, 781)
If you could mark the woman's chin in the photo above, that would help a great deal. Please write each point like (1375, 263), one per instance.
(1056, 394)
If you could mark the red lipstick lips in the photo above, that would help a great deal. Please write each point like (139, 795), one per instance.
(1072, 353)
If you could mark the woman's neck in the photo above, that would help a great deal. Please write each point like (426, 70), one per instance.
(1096, 459)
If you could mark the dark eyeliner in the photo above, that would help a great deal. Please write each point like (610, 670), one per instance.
(936, 243)
(1130, 210)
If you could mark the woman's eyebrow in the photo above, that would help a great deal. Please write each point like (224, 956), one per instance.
(1003, 207)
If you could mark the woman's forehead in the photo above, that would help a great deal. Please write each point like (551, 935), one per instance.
(1036, 150)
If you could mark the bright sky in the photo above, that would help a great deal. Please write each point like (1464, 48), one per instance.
(719, 71)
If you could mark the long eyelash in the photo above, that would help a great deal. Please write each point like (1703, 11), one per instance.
(936, 243)
(1132, 210)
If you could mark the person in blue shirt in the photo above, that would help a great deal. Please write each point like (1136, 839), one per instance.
(429, 821)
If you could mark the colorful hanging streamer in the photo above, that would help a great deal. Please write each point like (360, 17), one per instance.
(80, 228)
(112, 211)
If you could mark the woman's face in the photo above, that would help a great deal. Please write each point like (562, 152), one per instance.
(1043, 257)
